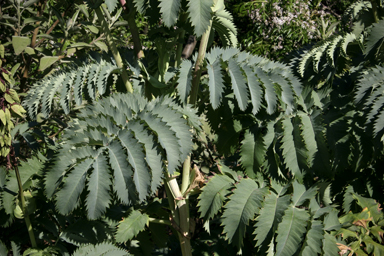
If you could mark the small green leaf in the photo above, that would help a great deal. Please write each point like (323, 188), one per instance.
(2, 117)
(131, 226)
(8, 98)
(29, 3)
(2, 51)
(20, 43)
(75, 45)
(14, 95)
(34, 19)
(102, 46)
(7, 78)
(93, 29)
(2, 87)
(47, 61)
(84, 9)
(14, 69)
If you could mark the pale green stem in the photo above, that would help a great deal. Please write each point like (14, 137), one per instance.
(186, 174)
(115, 52)
(182, 209)
(199, 62)
(171, 201)
(179, 49)
(158, 221)
(183, 205)
(18, 19)
(24, 209)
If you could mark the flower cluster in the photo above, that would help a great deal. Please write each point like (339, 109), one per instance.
(279, 27)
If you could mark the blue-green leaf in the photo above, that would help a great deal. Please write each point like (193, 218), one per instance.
(243, 205)
(213, 196)
(291, 230)
(185, 80)
(98, 197)
(169, 10)
(131, 226)
(68, 197)
(136, 158)
(122, 173)
(238, 83)
(215, 83)
(200, 15)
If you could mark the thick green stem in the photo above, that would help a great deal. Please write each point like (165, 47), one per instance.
(374, 9)
(115, 52)
(199, 62)
(179, 48)
(180, 40)
(24, 209)
(182, 208)
(171, 200)
(135, 34)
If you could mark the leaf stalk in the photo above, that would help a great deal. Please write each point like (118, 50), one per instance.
(115, 52)
(24, 209)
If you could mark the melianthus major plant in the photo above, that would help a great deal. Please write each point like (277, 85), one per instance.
(225, 147)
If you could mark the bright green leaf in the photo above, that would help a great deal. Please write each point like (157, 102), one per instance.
(20, 43)
(47, 61)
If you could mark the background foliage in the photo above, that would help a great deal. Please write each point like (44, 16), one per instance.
(275, 28)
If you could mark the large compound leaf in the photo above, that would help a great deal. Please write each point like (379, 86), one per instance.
(244, 203)
(119, 144)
